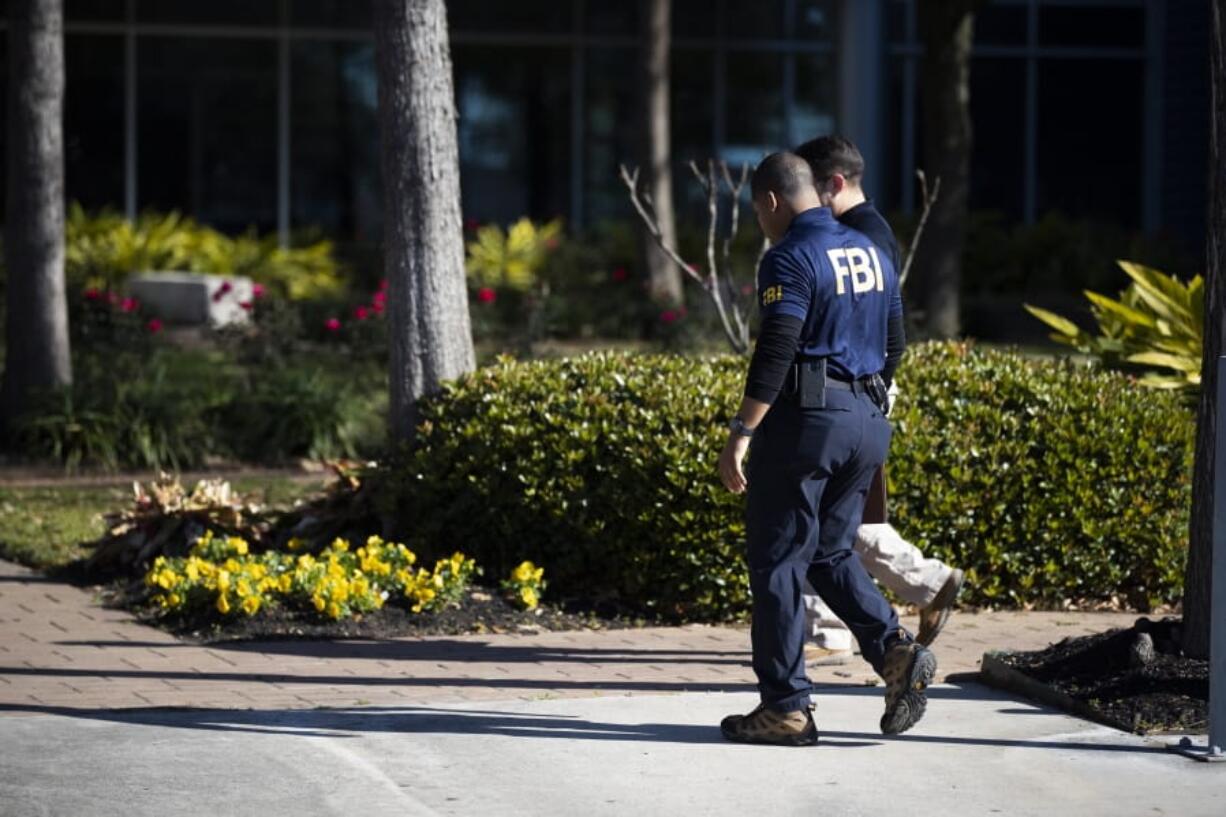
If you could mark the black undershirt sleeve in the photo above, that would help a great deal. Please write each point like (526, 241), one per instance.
(773, 355)
(895, 345)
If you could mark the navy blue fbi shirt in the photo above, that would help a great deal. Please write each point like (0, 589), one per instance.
(840, 285)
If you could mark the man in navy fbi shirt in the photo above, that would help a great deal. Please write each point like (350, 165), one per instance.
(928, 583)
(813, 406)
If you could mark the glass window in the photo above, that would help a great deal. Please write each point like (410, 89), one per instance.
(998, 128)
(611, 132)
(1093, 26)
(334, 144)
(521, 16)
(214, 12)
(207, 129)
(1091, 120)
(754, 19)
(813, 105)
(694, 18)
(896, 22)
(1001, 25)
(95, 10)
(814, 20)
(348, 14)
(514, 131)
(692, 107)
(602, 17)
(94, 120)
(754, 110)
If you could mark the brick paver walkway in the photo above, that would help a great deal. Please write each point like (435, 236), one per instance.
(61, 650)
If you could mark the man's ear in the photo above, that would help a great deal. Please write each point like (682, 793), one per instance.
(772, 201)
(838, 183)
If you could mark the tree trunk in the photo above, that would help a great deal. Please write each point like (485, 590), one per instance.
(1196, 597)
(431, 336)
(946, 29)
(664, 277)
(36, 332)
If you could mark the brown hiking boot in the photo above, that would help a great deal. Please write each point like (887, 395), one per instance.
(764, 725)
(909, 669)
(933, 617)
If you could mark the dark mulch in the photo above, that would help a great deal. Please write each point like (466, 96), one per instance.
(481, 611)
(1136, 679)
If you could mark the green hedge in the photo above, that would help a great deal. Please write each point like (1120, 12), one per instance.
(1046, 480)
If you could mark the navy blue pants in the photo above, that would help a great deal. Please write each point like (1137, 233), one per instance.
(809, 472)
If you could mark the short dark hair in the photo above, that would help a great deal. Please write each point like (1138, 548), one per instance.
(828, 155)
(786, 174)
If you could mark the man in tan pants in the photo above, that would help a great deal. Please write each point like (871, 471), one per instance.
(898, 565)
(895, 563)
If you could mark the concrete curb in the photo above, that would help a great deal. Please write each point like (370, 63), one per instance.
(996, 673)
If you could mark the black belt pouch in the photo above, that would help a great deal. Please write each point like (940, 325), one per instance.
(811, 383)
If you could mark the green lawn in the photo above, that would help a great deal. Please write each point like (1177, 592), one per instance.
(44, 527)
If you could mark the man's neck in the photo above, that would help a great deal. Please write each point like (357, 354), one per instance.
(848, 199)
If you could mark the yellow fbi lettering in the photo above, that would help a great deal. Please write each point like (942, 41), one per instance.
(772, 295)
(863, 267)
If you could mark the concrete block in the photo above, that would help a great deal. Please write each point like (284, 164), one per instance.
(192, 299)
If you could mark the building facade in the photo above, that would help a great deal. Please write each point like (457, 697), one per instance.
(263, 112)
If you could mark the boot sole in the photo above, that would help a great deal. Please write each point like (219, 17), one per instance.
(910, 706)
(926, 637)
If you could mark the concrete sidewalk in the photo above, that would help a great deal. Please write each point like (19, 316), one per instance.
(608, 722)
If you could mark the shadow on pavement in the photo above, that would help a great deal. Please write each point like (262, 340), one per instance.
(442, 649)
(345, 723)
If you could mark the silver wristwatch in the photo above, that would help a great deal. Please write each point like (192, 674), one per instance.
(737, 426)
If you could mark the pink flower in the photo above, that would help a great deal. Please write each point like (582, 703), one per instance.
(112, 298)
(361, 313)
(552, 242)
(620, 274)
(246, 305)
(747, 289)
(383, 285)
(486, 295)
(92, 294)
(669, 316)
(222, 291)
(130, 305)
(154, 326)
(257, 290)
(379, 297)
(471, 224)
(377, 307)
(332, 325)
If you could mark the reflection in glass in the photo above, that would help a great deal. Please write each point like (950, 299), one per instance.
(212, 12)
(998, 124)
(1095, 26)
(755, 114)
(207, 129)
(1091, 108)
(514, 131)
(93, 10)
(351, 14)
(754, 19)
(611, 134)
(334, 144)
(523, 16)
(93, 120)
(813, 105)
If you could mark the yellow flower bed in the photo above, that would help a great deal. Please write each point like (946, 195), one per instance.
(525, 585)
(338, 583)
